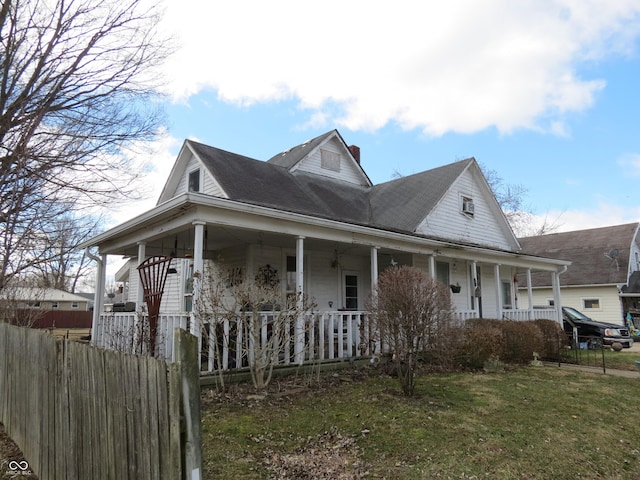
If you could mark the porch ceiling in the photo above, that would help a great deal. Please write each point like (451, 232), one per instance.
(180, 243)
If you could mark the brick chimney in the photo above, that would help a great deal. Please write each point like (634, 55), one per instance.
(355, 152)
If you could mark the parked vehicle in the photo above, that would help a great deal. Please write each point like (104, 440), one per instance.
(608, 333)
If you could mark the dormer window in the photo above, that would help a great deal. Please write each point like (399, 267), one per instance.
(194, 181)
(468, 207)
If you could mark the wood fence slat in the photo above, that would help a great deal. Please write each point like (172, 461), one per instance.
(162, 417)
(102, 466)
(143, 420)
(67, 436)
(79, 413)
(153, 442)
(115, 419)
(133, 434)
(174, 397)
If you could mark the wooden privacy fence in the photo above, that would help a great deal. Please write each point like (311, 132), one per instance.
(80, 412)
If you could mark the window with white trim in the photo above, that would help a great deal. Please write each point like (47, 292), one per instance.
(442, 273)
(467, 206)
(591, 303)
(507, 301)
(194, 181)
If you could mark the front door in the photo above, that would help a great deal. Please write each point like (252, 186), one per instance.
(351, 287)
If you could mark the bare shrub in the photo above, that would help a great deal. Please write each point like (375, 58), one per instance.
(483, 341)
(522, 340)
(409, 310)
(554, 338)
(274, 328)
(511, 342)
(447, 351)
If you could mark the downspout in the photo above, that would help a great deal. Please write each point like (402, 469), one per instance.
(98, 296)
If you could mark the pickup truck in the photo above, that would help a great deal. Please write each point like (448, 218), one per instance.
(610, 333)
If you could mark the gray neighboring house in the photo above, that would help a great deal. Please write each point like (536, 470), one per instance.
(603, 280)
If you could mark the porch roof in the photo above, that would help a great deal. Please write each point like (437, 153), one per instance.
(168, 228)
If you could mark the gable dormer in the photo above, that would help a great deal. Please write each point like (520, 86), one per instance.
(327, 156)
(469, 212)
(189, 175)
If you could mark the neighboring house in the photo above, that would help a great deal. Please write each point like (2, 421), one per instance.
(48, 308)
(603, 280)
(49, 299)
(312, 215)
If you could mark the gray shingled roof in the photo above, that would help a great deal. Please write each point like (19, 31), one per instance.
(396, 205)
(405, 201)
(247, 180)
(590, 252)
(290, 157)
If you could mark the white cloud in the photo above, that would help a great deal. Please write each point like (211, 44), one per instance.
(630, 162)
(605, 214)
(158, 158)
(438, 66)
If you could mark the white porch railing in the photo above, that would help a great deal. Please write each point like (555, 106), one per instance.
(322, 336)
(534, 314)
(223, 345)
(460, 316)
(519, 315)
(125, 332)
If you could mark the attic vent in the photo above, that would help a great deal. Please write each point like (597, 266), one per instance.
(468, 207)
(330, 160)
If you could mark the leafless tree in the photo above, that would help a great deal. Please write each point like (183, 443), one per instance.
(510, 197)
(408, 311)
(65, 264)
(76, 84)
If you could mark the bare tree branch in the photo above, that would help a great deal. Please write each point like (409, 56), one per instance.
(76, 90)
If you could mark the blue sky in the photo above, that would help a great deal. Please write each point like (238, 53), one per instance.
(545, 93)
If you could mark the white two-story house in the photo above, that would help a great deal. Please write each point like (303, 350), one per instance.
(312, 215)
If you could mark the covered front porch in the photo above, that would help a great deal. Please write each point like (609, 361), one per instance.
(333, 264)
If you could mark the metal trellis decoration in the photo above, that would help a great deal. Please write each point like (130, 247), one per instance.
(153, 275)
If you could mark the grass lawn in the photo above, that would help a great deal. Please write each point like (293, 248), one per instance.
(534, 423)
(623, 360)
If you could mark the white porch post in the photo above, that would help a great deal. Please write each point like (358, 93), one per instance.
(474, 287)
(374, 269)
(198, 267)
(496, 271)
(530, 294)
(555, 281)
(98, 301)
(298, 349)
(140, 293)
(432, 266)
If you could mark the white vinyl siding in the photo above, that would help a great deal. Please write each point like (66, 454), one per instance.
(484, 227)
(610, 310)
(337, 164)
